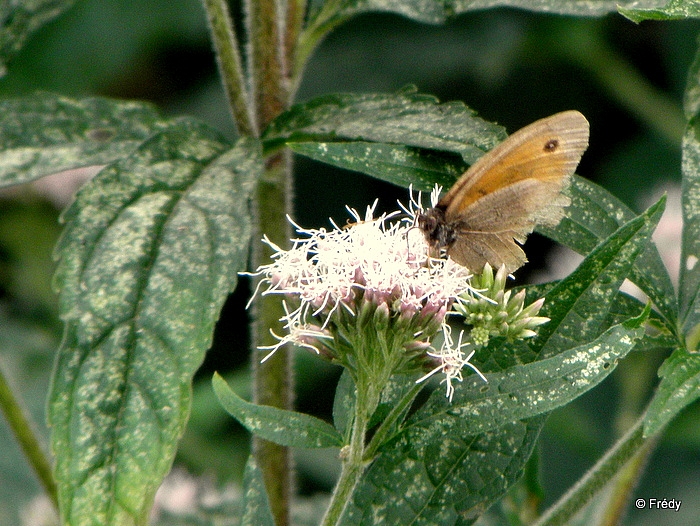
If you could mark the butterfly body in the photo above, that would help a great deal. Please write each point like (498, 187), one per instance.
(500, 198)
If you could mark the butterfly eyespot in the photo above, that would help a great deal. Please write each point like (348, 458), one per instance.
(495, 204)
(551, 145)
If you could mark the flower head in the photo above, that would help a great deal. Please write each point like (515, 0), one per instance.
(371, 296)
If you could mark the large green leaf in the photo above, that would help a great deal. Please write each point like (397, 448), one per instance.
(394, 163)
(452, 480)
(436, 11)
(406, 118)
(45, 133)
(287, 428)
(527, 390)
(151, 249)
(20, 19)
(451, 456)
(562, 7)
(661, 10)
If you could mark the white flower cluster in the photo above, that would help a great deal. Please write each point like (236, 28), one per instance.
(374, 262)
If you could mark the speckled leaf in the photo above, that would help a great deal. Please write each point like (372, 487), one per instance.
(45, 133)
(405, 118)
(436, 11)
(527, 390)
(679, 387)
(689, 282)
(594, 214)
(661, 10)
(20, 19)
(287, 428)
(256, 506)
(579, 305)
(400, 165)
(563, 7)
(453, 460)
(452, 480)
(151, 250)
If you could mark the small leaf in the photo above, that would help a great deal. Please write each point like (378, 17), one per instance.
(660, 10)
(151, 250)
(404, 118)
(343, 404)
(286, 428)
(449, 481)
(256, 505)
(396, 164)
(679, 387)
(20, 20)
(44, 134)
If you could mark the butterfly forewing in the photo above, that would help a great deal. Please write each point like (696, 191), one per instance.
(501, 198)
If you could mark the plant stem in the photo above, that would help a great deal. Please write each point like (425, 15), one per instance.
(272, 381)
(27, 438)
(353, 464)
(388, 424)
(228, 58)
(597, 477)
(267, 59)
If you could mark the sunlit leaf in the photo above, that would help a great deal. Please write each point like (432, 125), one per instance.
(45, 133)
(151, 250)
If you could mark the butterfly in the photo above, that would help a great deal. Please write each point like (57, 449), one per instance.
(501, 197)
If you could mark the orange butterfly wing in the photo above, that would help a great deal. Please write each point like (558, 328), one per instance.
(512, 188)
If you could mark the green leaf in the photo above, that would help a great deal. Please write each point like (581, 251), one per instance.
(453, 480)
(343, 404)
(523, 391)
(44, 134)
(20, 19)
(679, 387)
(396, 164)
(404, 118)
(566, 7)
(286, 428)
(659, 10)
(438, 11)
(595, 214)
(579, 305)
(256, 505)
(151, 250)
(689, 281)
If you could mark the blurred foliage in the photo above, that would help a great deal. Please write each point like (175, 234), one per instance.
(508, 65)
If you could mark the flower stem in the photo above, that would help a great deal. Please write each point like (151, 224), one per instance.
(353, 464)
(631, 444)
(228, 58)
(25, 435)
